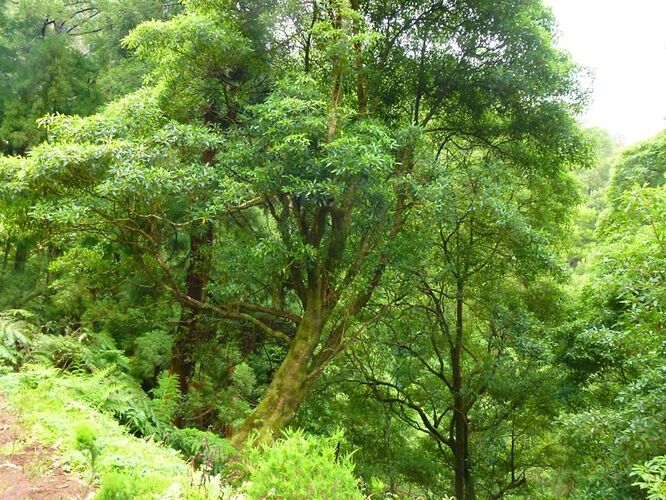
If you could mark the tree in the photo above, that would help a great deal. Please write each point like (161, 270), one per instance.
(614, 349)
(470, 318)
(277, 145)
(57, 57)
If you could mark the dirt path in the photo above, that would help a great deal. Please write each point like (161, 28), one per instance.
(28, 470)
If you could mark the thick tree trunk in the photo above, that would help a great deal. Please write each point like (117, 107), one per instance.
(464, 486)
(290, 384)
(190, 333)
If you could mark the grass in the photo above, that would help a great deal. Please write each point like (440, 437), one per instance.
(10, 449)
(36, 468)
(50, 408)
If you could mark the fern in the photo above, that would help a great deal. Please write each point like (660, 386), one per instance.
(167, 396)
(15, 337)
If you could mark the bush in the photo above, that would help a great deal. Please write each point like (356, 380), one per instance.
(64, 352)
(128, 486)
(652, 477)
(207, 451)
(151, 356)
(52, 407)
(300, 467)
(118, 486)
(85, 353)
(88, 444)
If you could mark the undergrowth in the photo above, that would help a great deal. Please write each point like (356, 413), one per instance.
(80, 395)
(52, 408)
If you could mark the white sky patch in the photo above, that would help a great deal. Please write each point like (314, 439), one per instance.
(624, 44)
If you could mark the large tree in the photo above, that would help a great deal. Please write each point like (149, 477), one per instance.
(286, 144)
(469, 311)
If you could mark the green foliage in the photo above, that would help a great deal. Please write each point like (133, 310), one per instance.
(167, 396)
(16, 333)
(79, 351)
(119, 486)
(651, 477)
(615, 350)
(130, 485)
(239, 192)
(643, 164)
(300, 467)
(88, 443)
(76, 47)
(53, 406)
(151, 355)
(207, 451)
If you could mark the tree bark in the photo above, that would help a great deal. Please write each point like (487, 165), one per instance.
(464, 486)
(290, 384)
(190, 332)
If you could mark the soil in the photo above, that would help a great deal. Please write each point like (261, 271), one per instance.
(28, 470)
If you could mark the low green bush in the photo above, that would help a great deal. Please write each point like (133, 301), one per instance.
(299, 466)
(152, 352)
(87, 443)
(80, 352)
(130, 486)
(207, 451)
(52, 407)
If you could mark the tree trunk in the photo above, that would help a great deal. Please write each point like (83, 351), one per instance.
(290, 384)
(190, 333)
(464, 486)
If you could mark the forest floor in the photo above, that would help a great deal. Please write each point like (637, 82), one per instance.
(29, 470)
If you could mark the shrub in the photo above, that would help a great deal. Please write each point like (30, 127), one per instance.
(86, 352)
(88, 444)
(206, 450)
(300, 467)
(151, 356)
(652, 477)
(129, 486)
(64, 352)
(118, 486)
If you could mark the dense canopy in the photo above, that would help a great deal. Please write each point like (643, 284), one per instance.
(367, 240)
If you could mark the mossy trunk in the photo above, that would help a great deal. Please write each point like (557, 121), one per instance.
(289, 385)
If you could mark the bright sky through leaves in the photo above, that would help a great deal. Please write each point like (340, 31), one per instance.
(624, 44)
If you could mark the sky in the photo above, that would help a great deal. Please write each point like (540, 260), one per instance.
(623, 42)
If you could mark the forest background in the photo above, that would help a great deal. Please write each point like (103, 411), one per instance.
(377, 224)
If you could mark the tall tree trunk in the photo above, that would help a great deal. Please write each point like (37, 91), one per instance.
(290, 384)
(190, 333)
(464, 486)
